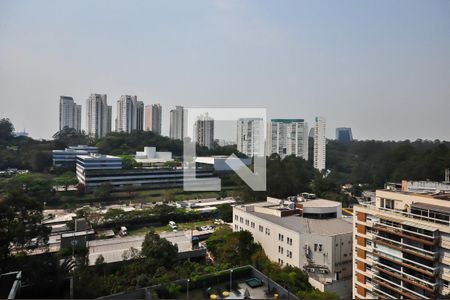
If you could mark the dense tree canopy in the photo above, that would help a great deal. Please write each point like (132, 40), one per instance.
(377, 162)
(6, 129)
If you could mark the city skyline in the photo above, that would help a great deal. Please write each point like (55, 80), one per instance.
(302, 59)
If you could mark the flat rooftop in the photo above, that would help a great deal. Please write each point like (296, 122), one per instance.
(441, 196)
(113, 249)
(299, 224)
(320, 203)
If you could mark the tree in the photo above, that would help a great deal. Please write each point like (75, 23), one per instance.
(6, 129)
(225, 212)
(71, 137)
(20, 222)
(167, 196)
(65, 180)
(233, 248)
(159, 249)
(103, 192)
(128, 162)
(41, 161)
(36, 186)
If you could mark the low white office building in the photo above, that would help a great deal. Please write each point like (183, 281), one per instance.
(150, 156)
(310, 235)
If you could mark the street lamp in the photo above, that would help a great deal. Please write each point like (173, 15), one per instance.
(231, 279)
(187, 288)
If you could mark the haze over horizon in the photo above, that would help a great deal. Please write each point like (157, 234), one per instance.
(379, 67)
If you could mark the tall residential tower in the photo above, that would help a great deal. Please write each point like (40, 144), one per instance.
(177, 123)
(250, 136)
(401, 246)
(98, 116)
(153, 118)
(204, 131)
(130, 114)
(288, 137)
(319, 144)
(69, 113)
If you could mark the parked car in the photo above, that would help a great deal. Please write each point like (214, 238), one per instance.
(123, 231)
(173, 225)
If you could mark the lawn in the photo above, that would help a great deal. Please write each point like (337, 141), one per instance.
(166, 228)
(71, 200)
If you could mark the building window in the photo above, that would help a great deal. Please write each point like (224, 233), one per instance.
(280, 249)
(315, 247)
(280, 237)
(289, 253)
(235, 227)
(320, 247)
(241, 219)
(252, 224)
(280, 261)
(289, 241)
(261, 228)
(247, 222)
(267, 231)
(236, 217)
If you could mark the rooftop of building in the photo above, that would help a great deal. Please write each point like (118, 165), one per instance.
(98, 157)
(299, 224)
(445, 195)
(320, 203)
(287, 215)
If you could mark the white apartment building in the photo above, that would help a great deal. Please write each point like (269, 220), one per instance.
(130, 114)
(310, 235)
(153, 118)
(250, 136)
(204, 131)
(288, 137)
(98, 115)
(177, 123)
(402, 246)
(69, 113)
(320, 144)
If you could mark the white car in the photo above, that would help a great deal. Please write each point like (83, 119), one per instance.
(173, 225)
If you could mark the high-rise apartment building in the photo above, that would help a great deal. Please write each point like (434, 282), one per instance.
(402, 246)
(250, 136)
(177, 123)
(153, 118)
(98, 116)
(344, 134)
(69, 113)
(204, 131)
(320, 144)
(288, 137)
(130, 114)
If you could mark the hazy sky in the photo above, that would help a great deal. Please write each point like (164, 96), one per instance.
(380, 67)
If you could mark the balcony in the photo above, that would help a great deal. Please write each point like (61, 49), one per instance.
(402, 248)
(409, 279)
(408, 265)
(445, 243)
(400, 233)
(405, 214)
(396, 289)
(445, 259)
